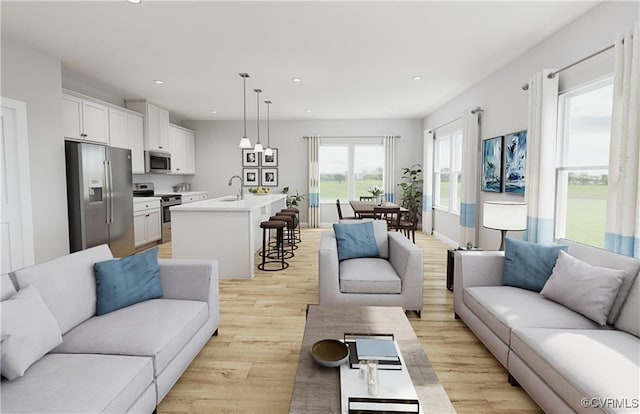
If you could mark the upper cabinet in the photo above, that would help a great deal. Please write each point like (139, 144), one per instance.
(86, 120)
(126, 131)
(182, 148)
(156, 125)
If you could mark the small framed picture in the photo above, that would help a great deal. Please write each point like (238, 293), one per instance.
(250, 158)
(270, 160)
(250, 177)
(269, 177)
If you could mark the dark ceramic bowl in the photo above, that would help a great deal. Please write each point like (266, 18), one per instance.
(330, 352)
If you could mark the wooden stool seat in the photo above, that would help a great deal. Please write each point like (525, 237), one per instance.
(297, 215)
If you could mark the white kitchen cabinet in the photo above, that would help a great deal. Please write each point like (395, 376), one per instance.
(177, 148)
(84, 119)
(190, 152)
(118, 134)
(146, 222)
(156, 124)
(126, 131)
(182, 148)
(135, 132)
(193, 196)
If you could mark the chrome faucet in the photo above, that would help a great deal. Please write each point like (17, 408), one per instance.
(241, 186)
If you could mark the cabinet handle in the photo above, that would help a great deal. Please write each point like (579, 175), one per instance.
(147, 215)
(160, 146)
(146, 205)
(177, 169)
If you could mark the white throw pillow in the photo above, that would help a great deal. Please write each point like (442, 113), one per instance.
(588, 290)
(29, 331)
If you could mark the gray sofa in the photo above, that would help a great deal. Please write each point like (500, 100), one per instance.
(565, 362)
(393, 279)
(123, 361)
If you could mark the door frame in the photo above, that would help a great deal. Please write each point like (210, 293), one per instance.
(24, 179)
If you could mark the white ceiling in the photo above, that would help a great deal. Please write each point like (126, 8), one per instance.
(356, 59)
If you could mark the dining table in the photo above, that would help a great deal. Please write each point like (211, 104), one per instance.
(364, 209)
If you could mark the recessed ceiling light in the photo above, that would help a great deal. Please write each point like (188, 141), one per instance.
(308, 110)
(214, 112)
(417, 77)
(135, 1)
(158, 82)
(296, 79)
(389, 110)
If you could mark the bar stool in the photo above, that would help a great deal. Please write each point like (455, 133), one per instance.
(279, 250)
(296, 223)
(298, 232)
(289, 227)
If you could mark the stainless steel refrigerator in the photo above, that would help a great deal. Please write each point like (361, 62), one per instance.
(100, 197)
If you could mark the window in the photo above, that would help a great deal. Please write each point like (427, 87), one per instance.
(448, 170)
(584, 133)
(349, 167)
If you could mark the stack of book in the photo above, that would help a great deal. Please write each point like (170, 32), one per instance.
(383, 350)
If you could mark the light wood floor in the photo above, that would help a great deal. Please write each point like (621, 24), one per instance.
(250, 367)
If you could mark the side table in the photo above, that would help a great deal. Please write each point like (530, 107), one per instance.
(450, 263)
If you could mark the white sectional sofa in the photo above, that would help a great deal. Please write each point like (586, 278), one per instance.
(565, 362)
(124, 361)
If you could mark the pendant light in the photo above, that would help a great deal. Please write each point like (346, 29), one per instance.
(258, 147)
(244, 142)
(268, 151)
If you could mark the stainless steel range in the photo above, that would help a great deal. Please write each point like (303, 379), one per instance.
(166, 202)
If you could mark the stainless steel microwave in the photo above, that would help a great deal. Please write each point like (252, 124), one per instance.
(157, 162)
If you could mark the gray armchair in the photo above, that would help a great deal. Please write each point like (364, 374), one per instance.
(393, 279)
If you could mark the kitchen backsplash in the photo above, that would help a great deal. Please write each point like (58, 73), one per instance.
(162, 182)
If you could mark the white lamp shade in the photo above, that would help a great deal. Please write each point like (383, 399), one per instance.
(245, 143)
(268, 151)
(258, 147)
(504, 215)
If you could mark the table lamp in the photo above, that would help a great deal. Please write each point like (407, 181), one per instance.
(504, 216)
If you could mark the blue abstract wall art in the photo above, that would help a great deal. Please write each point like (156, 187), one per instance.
(492, 165)
(515, 162)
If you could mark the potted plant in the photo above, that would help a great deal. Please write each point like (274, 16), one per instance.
(292, 200)
(376, 192)
(412, 190)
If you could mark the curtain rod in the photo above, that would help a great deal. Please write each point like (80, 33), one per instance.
(569, 66)
(473, 111)
(353, 136)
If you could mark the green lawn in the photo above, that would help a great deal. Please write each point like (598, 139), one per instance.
(586, 211)
(586, 208)
(331, 190)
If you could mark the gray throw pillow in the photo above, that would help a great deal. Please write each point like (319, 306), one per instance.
(29, 331)
(588, 290)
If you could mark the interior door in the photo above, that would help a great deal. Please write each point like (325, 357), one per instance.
(16, 227)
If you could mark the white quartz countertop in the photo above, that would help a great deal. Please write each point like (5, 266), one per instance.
(230, 203)
(183, 194)
(143, 199)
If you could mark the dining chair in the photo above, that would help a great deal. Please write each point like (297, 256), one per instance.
(409, 225)
(390, 214)
(340, 216)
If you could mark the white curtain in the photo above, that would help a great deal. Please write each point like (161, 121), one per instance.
(314, 182)
(389, 179)
(468, 197)
(427, 186)
(622, 232)
(540, 169)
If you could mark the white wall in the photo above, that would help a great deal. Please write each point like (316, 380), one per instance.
(33, 77)
(218, 156)
(505, 103)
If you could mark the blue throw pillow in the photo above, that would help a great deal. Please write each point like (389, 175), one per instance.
(529, 265)
(355, 240)
(127, 281)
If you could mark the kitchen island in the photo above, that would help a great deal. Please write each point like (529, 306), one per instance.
(224, 229)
